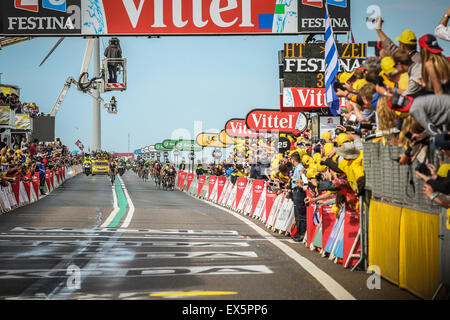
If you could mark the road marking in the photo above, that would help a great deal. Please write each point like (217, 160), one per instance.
(129, 216)
(331, 285)
(191, 293)
(122, 204)
(102, 229)
(130, 255)
(147, 236)
(77, 243)
(113, 213)
(137, 272)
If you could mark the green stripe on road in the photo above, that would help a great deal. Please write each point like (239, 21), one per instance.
(122, 201)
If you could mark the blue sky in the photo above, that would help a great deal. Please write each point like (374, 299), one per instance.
(174, 81)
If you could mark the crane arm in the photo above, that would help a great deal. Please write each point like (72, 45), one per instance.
(62, 95)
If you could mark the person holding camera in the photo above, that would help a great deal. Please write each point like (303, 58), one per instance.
(113, 51)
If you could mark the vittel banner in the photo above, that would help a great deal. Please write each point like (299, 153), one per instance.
(40, 17)
(151, 17)
(192, 17)
(305, 99)
(266, 120)
(238, 128)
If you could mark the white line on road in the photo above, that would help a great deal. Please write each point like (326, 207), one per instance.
(331, 285)
(97, 236)
(153, 231)
(130, 213)
(115, 210)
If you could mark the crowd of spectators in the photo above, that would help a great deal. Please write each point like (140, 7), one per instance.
(400, 97)
(13, 101)
(22, 159)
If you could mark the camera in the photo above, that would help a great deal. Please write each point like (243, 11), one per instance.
(338, 85)
(326, 186)
(423, 169)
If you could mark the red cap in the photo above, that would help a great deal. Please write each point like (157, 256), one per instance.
(430, 43)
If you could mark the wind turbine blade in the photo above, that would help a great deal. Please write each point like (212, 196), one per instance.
(51, 51)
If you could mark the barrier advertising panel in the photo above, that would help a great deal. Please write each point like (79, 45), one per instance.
(201, 182)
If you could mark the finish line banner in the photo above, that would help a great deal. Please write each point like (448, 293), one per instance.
(147, 17)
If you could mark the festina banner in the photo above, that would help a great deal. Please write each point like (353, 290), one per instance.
(310, 57)
(238, 128)
(305, 99)
(312, 16)
(220, 185)
(257, 190)
(35, 17)
(201, 182)
(241, 183)
(148, 17)
(275, 121)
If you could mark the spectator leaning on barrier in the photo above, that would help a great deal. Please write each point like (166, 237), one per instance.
(438, 183)
(431, 112)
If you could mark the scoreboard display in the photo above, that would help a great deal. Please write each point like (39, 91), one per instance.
(303, 64)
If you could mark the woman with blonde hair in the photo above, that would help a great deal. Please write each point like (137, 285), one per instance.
(435, 67)
(386, 116)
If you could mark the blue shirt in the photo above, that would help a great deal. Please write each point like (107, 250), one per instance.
(296, 176)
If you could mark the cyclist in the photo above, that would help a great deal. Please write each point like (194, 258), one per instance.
(113, 170)
(146, 170)
(169, 175)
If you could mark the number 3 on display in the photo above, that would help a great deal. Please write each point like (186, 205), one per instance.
(320, 83)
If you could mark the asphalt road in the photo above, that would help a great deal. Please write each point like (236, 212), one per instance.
(79, 243)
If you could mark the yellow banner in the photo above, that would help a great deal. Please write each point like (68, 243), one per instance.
(4, 115)
(210, 140)
(8, 90)
(23, 122)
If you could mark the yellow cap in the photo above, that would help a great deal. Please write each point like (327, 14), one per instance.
(341, 138)
(388, 65)
(359, 83)
(345, 76)
(407, 37)
(311, 172)
(327, 148)
(326, 135)
(317, 157)
(307, 160)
